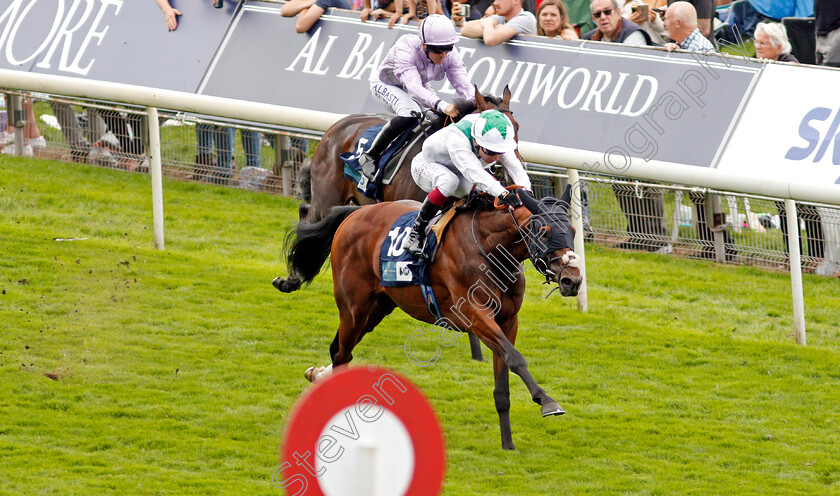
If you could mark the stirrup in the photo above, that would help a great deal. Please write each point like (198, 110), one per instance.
(368, 165)
(415, 244)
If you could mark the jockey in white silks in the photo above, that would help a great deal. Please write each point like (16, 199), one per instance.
(401, 83)
(454, 159)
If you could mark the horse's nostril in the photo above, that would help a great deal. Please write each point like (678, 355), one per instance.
(567, 282)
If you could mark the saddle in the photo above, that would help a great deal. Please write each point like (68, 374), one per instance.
(393, 158)
(398, 267)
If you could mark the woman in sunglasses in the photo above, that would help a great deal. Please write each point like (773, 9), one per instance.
(401, 84)
(454, 159)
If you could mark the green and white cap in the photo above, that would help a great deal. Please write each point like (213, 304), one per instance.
(494, 132)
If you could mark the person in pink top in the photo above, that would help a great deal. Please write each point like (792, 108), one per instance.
(401, 83)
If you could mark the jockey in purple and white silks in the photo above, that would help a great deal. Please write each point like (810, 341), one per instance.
(454, 159)
(401, 84)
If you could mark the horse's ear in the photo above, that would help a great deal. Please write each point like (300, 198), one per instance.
(479, 99)
(528, 199)
(506, 96)
(566, 199)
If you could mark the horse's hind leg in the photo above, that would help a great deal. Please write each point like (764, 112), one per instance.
(357, 318)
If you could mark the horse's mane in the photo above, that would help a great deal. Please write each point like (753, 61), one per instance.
(465, 106)
(495, 100)
(477, 201)
(546, 206)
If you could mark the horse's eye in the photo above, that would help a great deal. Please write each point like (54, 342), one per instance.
(545, 233)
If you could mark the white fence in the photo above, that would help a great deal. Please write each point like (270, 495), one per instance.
(153, 99)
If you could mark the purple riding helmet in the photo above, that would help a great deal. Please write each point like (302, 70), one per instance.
(437, 31)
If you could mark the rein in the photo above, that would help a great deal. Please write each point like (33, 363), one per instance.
(539, 263)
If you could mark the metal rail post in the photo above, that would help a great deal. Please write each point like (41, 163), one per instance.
(716, 224)
(576, 215)
(17, 119)
(286, 164)
(795, 272)
(155, 173)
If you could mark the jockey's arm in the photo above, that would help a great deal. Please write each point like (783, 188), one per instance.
(456, 73)
(407, 73)
(515, 169)
(469, 165)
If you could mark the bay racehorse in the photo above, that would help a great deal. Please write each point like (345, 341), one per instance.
(323, 184)
(476, 276)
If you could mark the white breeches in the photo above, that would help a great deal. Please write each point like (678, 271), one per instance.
(394, 98)
(431, 175)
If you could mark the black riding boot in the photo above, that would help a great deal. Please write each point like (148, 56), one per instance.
(387, 134)
(416, 238)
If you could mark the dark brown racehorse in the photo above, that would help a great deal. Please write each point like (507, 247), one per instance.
(323, 184)
(476, 277)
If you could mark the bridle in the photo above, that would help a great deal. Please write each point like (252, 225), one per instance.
(538, 256)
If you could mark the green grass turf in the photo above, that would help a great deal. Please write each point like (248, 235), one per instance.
(173, 372)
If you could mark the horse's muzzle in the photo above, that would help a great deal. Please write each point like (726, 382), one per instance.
(567, 274)
(569, 283)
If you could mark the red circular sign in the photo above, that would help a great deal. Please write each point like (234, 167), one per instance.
(364, 388)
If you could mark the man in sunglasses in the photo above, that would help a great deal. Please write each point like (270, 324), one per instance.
(454, 159)
(509, 20)
(610, 26)
(401, 84)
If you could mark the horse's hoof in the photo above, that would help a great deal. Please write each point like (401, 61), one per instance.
(551, 408)
(315, 374)
(303, 211)
(286, 285)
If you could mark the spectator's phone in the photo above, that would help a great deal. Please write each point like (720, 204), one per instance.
(217, 3)
(465, 11)
(641, 7)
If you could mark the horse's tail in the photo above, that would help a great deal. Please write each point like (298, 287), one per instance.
(308, 247)
(304, 181)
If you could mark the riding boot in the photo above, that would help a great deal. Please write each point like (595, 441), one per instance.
(393, 128)
(415, 241)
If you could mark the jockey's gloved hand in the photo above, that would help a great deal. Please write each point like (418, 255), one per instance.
(510, 199)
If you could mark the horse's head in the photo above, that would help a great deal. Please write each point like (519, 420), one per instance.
(482, 102)
(551, 241)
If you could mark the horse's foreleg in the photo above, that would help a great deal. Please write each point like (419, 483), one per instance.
(502, 345)
(501, 395)
(518, 366)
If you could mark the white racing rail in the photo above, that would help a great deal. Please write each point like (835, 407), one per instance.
(572, 159)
